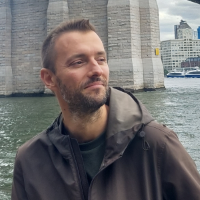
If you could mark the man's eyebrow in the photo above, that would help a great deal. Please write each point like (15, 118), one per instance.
(101, 53)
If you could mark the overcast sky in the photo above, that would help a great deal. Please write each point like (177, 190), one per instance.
(172, 11)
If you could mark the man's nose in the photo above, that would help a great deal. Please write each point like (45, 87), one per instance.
(94, 68)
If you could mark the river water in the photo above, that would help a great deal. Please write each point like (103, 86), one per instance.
(178, 107)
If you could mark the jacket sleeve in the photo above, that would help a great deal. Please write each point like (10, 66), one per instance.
(18, 187)
(180, 178)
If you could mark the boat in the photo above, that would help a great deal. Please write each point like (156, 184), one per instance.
(193, 74)
(175, 74)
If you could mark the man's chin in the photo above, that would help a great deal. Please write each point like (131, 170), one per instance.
(97, 94)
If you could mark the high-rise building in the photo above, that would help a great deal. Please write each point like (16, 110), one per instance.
(183, 31)
(195, 35)
(198, 32)
(175, 31)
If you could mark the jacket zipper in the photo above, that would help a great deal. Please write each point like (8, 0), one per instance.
(77, 169)
(104, 167)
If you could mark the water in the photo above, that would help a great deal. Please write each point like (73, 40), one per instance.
(21, 118)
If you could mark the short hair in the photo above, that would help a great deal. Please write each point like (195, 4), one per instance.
(48, 53)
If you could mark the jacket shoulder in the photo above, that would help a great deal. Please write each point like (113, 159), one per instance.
(158, 132)
(176, 167)
(34, 145)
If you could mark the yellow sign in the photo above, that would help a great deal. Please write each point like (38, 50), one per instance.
(157, 51)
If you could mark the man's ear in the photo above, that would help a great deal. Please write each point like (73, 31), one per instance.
(48, 78)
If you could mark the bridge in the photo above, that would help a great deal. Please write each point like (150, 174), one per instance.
(129, 30)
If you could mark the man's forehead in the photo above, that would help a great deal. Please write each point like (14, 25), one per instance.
(74, 39)
(77, 36)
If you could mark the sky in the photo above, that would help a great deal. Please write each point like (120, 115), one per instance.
(172, 11)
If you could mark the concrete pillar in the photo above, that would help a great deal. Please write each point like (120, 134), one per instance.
(5, 48)
(28, 33)
(150, 40)
(124, 45)
(57, 12)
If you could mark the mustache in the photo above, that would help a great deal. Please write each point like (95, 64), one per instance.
(94, 79)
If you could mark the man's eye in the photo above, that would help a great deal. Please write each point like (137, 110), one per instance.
(101, 60)
(77, 62)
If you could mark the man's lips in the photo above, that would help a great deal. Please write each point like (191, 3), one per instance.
(97, 83)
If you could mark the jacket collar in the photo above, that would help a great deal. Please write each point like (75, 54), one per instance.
(59, 140)
(126, 117)
(124, 112)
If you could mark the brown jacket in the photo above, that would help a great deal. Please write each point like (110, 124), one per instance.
(143, 161)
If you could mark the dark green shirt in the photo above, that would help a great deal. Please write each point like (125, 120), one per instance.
(93, 153)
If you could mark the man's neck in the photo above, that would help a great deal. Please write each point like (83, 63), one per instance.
(86, 128)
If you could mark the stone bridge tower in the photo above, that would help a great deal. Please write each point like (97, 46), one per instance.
(5, 48)
(124, 44)
(133, 37)
(150, 41)
(129, 30)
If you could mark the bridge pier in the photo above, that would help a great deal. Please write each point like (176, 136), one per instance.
(150, 41)
(124, 44)
(5, 48)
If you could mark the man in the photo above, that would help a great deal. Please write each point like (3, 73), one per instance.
(105, 144)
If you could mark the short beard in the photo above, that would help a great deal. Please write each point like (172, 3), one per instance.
(81, 105)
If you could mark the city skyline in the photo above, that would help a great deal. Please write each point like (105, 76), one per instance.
(171, 12)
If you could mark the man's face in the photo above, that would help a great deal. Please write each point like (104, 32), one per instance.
(81, 71)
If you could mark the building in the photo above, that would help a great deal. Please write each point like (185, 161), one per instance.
(183, 31)
(191, 62)
(129, 30)
(173, 52)
(198, 32)
(195, 35)
(175, 31)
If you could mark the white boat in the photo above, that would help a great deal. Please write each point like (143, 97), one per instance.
(193, 74)
(175, 74)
